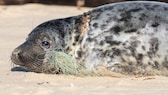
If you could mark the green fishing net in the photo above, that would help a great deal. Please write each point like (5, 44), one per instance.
(58, 62)
(62, 63)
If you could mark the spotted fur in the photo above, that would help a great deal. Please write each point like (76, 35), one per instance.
(127, 38)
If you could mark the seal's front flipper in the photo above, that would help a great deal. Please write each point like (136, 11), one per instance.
(19, 69)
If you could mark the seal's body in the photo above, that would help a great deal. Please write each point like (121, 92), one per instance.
(127, 37)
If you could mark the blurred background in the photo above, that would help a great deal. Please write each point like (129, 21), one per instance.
(79, 3)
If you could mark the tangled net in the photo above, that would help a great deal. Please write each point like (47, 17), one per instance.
(60, 62)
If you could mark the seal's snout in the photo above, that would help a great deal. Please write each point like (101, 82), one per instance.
(15, 57)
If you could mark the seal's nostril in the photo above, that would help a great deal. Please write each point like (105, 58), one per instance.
(15, 52)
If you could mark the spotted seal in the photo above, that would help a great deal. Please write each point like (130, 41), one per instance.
(127, 37)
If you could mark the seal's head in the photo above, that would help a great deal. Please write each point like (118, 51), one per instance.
(49, 36)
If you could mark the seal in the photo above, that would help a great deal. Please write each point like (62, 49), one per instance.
(128, 38)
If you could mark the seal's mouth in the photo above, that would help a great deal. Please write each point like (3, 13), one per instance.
(15, 58)
(17, 65)
(29, 61)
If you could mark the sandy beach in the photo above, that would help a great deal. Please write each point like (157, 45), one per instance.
(16, 22)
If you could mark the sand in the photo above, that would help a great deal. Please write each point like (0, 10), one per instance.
(15, 24)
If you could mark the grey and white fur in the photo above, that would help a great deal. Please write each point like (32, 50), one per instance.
(127, 37)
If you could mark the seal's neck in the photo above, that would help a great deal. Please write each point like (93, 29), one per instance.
(79, 29)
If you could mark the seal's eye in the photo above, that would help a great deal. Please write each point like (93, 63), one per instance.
(45, 44)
